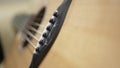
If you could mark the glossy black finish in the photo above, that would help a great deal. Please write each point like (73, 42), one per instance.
(41, 51)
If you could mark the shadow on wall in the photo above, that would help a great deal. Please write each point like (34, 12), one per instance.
(20, 20)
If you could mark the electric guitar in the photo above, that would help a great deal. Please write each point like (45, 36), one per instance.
(69, 34)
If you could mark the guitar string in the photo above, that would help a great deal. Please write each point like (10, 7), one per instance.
(29, 33)
(32, 28)
(29, 41)
(37, 24)
(25, 32)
